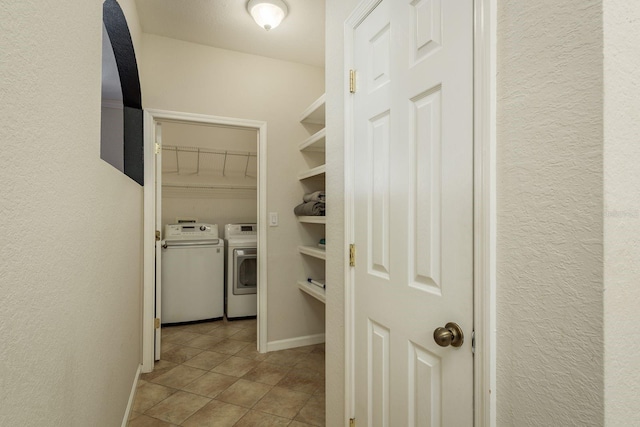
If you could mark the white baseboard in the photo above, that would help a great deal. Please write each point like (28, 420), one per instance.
(295, 342)
(132, 396)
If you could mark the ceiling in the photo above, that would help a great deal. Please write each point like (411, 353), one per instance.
(226, 24)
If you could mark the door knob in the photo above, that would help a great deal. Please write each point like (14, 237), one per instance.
(451, 334)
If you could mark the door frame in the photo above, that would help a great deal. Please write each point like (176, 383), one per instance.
(484, 215)
(148, 300)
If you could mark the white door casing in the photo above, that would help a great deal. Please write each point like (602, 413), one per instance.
(152, 192)
(158, 247)
(413, 212)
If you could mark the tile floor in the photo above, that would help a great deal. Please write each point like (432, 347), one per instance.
(211, 375)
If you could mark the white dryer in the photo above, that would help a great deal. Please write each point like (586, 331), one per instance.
(242, 270)
(192, 273)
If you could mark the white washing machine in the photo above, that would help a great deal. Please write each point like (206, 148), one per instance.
(242, 270)
(192, 273)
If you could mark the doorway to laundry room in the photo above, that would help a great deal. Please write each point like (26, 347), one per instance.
(209, 193)
(207, 181)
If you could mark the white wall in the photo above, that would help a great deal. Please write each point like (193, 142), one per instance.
(550, 223)
(187, 77)
(621, 212)
(70, 275)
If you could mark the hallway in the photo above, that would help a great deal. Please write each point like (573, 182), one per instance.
(210, 375)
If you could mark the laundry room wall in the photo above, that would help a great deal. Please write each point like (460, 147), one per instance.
(187, 77)
(214, 188)
(71, 225)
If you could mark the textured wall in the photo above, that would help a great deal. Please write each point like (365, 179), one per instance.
(622, 212)
(550, 219)
(187, 77)
(70, 270)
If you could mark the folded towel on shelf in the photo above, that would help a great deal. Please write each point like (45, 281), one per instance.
(316, 196)
(309, 209)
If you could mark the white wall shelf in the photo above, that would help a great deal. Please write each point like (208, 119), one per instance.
(317, 171)
(313, 290)
(313, 251)
(315, 112)
(315, 142)
(313, 219)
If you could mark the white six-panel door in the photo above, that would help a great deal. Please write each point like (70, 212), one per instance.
(413, 213)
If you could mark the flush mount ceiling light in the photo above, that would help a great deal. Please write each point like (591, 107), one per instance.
(267, 13)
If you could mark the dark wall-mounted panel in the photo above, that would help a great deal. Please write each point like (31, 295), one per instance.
(118, 30)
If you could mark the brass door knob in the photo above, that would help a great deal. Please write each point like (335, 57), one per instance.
(451, 334)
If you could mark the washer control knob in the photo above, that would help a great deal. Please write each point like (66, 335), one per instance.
(203, 228)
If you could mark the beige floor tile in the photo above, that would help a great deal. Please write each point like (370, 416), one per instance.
(230, 346)
(160, 367)
(282, 402)
(235, 366)
(145, 421)
(295, 423)
(260, 419)
(305, 349)
(313, 412)
(180, 354)
(318, 348)
(204, 328)
(216, 414)
(150, 394)
(313, 361)
(267, 373)
(207, 360)
(250, 352)
(244, 323)
(178, 407)
(133, 415)
(210, 384)
(167, 346)
(303, 380)
(205, 342)
(244, 393)
(224, 332)
(248, 335)
(180, 337)
(179, 376)
(285, 357)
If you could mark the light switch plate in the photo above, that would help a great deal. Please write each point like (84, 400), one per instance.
(273, 219)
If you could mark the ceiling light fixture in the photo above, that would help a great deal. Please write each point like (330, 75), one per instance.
(267, 13)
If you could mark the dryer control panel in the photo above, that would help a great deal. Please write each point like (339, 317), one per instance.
(240, 230)
(190, 231)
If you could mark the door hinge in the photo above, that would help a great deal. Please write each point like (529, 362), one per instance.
(473, 342)
(352, 81)
(352, 255)
(352, 422)
(157, 235)
(157, 148)
(156, 323)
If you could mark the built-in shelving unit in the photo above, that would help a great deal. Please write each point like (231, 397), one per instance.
(317, 171)
(313, 251)
(315, 142)
(314, 113)
(312, 219)
(313, 290)
(314, 116)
